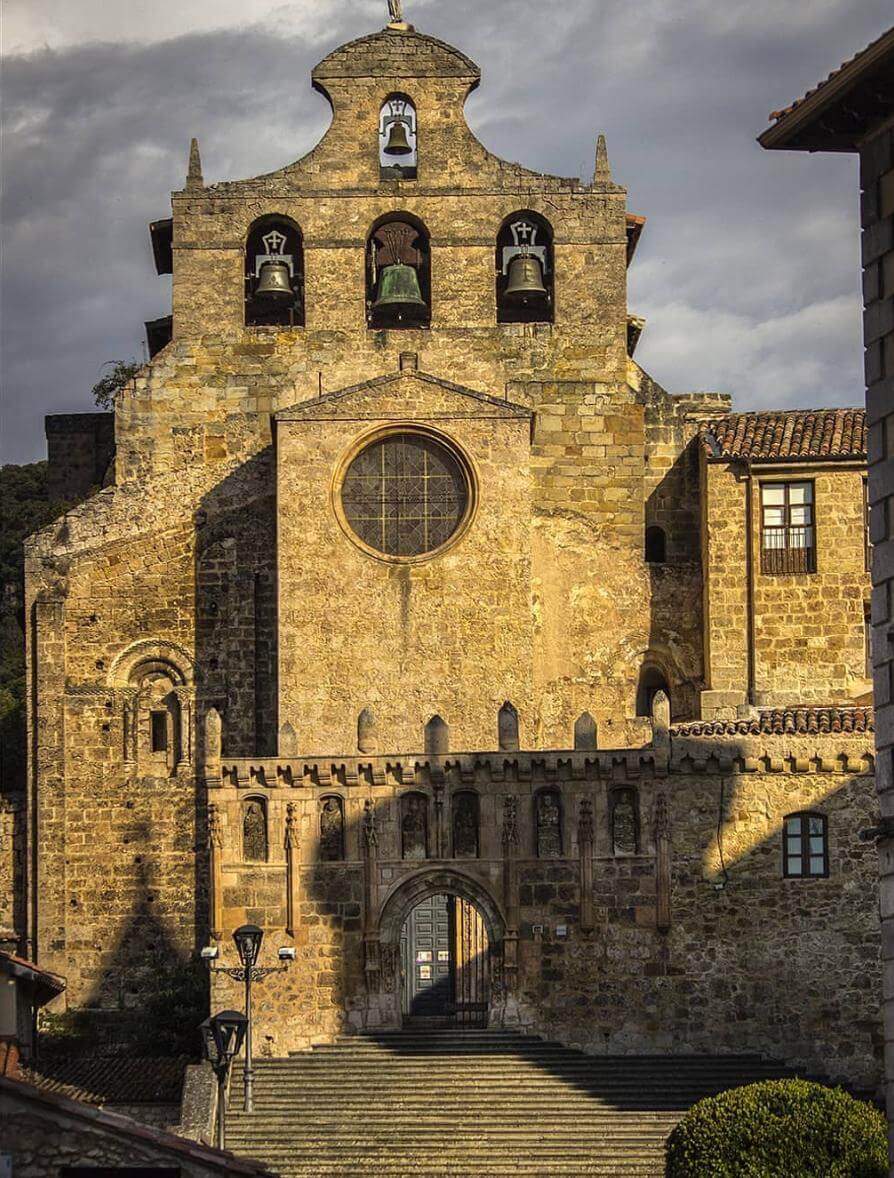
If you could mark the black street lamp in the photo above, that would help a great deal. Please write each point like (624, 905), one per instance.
(222, 1037)
(248, 940)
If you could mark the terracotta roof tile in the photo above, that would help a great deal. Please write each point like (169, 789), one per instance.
(114, 1079)
(793, 433)
(787, 722)
(780, 114)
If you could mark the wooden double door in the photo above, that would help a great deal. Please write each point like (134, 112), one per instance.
(445, 963)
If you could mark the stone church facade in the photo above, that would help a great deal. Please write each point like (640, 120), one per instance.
(415, 593)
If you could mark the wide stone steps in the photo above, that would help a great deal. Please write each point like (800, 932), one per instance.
(476, 1103)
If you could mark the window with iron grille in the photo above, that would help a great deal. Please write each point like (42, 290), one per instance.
(405, 495)
(788, 534)
(805, 846)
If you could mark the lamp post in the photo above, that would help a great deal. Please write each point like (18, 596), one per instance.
(248, 940)
(222, 1037)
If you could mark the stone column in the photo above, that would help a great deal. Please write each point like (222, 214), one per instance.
(585, 851)
(215, 887)
(213, 745)
(438, 787)
(293, 872)
(371, 961)
(46, 803)
(510, 902)
(662, 865)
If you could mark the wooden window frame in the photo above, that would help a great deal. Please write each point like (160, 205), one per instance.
(804, 853)
(788, 558)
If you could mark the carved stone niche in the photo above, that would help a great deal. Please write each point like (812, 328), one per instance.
(254, 830)
(414, 826)
(623, 813)
(465, 825)
(548, 820)
(332, 829)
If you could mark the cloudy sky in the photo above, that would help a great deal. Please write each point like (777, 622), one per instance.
(748, 272)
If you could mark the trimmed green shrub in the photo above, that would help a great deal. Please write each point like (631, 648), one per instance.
(780, 1129)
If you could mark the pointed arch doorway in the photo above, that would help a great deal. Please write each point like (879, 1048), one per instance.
(446, 932)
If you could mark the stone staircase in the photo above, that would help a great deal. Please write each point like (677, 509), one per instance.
(471, 1104)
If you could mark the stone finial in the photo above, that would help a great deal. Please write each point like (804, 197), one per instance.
(507, 728)
(603, 171)
(437, 737)
(584, 732)
(366, 732)
(288, 741)
(661, 710)
(213, 740)
(194, 174)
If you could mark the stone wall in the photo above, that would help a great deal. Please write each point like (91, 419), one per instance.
(809, 629)
(12, 871)
(746, 960)
(80, 453)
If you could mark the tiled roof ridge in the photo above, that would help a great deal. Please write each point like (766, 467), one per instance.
(114, 1123)
(787, 433)
(112, 1079)
(787, 110)
(806, 720)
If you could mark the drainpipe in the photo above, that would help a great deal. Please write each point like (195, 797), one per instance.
(749, 574)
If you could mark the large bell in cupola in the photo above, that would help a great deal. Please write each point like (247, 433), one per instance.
(400, 293)
(524, 283)
(275, 283)
(398, 143)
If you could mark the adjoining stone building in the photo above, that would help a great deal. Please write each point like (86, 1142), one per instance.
(423, 628)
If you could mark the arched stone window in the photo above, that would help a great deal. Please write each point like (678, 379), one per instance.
(507, 728)
(437, 737)
(398, 154)
(525, 269)
(254, 830)
(465, 825)
(656, 545)
(652, 679)
(398, 273)
(332, 829)
(548, 824)
(805, 845)
(274, 273)
(584, 732)
(414, 826)
(623, 813)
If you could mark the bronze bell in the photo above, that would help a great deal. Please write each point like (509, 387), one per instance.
(398, 143)
(275, 283)
(399, 291)
(525, 282)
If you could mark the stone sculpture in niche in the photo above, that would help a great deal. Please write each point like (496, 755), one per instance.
(549, 833)
(254, 832)
(465, 826)
(624, 822)
(332, 830)
(414, 827)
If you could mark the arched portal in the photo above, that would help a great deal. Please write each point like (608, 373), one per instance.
(445, 933)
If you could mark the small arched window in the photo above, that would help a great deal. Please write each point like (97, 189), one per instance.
(624, 820)
(398, 154)
(525, 270)
(805, 846)
(274, 274)
(398, 273)
(414, 826)
(254, 830)
(548, 824)
(651, 680)
(656, 545)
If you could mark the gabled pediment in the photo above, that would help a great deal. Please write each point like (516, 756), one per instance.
(403, 395)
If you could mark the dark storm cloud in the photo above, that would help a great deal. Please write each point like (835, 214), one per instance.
(748, 271)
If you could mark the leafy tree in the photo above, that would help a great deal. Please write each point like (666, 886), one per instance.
(121, 374)
(25, 507)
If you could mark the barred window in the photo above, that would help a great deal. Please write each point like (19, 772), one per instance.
(805, 845)
(788, 535)
(405, 495)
